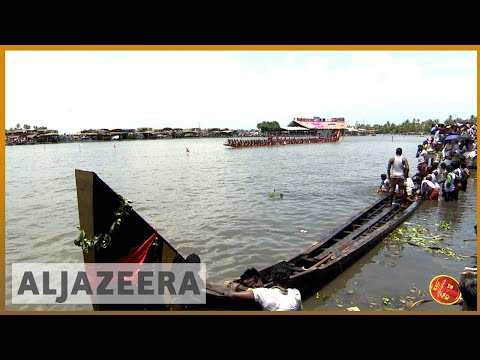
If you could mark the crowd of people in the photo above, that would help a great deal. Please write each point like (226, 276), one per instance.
(447, 178)
(441, 172)
(442, 167)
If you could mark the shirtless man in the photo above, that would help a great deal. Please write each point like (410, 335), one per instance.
(397, 172)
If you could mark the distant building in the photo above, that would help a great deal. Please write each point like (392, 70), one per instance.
(316, 126)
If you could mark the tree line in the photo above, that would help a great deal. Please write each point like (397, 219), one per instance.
(408, 126)
(27, 127)
(414, 125)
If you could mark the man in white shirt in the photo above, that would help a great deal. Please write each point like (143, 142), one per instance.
(429, 190)
(276, 298)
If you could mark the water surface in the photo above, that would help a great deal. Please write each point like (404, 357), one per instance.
(215, 202)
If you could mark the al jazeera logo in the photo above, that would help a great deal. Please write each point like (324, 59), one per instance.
(445, 289)
(108, 283)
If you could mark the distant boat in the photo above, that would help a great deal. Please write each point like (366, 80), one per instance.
(270, 141)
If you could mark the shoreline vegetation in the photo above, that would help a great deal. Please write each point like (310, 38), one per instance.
(28, 135)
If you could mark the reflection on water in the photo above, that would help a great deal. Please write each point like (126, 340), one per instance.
(215, 202)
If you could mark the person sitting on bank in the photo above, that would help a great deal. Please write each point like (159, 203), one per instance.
(276, 298)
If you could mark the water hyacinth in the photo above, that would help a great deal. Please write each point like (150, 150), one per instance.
(421, 237)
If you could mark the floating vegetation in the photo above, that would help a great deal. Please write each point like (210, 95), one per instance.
(444, 225)
(406, 234)
(321, 296)
(407, 302)
(413, 298)
(421, 237)
(273, 195)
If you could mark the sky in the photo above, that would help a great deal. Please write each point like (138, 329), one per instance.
(70, 91)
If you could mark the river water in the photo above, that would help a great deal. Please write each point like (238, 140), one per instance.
(215, 201)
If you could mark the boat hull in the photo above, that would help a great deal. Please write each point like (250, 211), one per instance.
(98, 205)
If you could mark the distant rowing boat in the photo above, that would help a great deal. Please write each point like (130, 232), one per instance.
(279, 141)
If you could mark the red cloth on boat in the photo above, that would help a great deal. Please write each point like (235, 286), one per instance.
(138, 256)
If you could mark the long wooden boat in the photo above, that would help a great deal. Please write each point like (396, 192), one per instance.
(100, 207)
(342, 246)
(244, 143)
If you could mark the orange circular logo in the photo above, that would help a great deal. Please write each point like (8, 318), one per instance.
(444, 289)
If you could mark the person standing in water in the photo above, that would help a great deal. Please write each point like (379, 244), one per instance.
(384, 184)
(397, 171)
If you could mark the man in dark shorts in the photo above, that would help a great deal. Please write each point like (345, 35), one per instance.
(397, 172)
